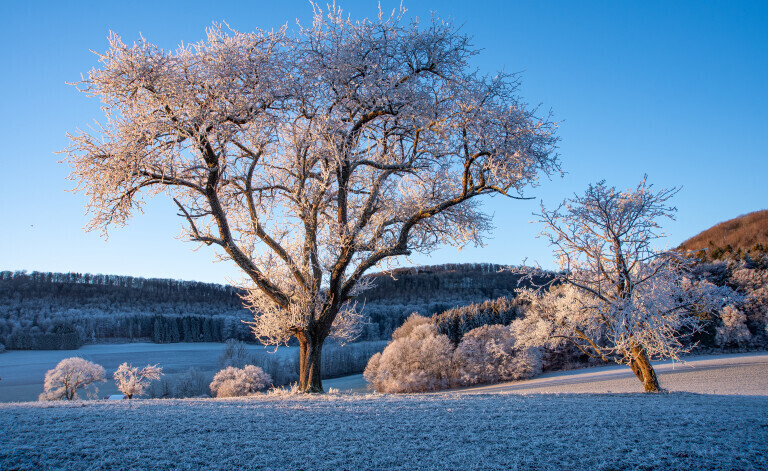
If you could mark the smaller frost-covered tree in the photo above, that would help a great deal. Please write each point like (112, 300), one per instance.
(623, 300)
(235, 354)
(70, 375)
(132, 381)
(421, 361)
(191, 383)
(234, 382)
(489, 354)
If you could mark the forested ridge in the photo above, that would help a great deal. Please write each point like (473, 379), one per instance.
(64, 310)
(43, 310)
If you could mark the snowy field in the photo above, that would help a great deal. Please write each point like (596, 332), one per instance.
(442, 431)
(491, 427)
(23, 371)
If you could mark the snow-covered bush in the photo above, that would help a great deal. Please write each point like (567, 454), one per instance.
(235, 354)
(2, 348)
(745, 322)
(488, 354)
(733, 331)
(234, 382)
(420, 361)
(70, 375)
(132, 381)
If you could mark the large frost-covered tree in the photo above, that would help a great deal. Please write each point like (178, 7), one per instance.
(622, 299)
(309, 157)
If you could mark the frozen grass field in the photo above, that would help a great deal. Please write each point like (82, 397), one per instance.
(442, 431)
(491, 427)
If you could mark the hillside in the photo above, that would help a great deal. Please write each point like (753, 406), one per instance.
(745, 233)
(66, 310)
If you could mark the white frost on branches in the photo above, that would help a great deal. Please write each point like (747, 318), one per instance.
(491, 354)
(70, 375)
(132, 381)
(235, 382)
(622, 299)
(420, 359)
(419, 362)
(310, 157)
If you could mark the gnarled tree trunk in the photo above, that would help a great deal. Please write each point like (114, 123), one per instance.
(310, 350)
(643, 369)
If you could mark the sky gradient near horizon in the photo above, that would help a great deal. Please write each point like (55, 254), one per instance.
(675, 90)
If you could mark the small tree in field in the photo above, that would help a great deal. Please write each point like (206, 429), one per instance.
(134, 382)
(235, 354)
(622, 300)
(309, 158)
(70, 375)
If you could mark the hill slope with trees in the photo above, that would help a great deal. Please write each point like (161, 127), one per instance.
(743, 234)
(65, 310)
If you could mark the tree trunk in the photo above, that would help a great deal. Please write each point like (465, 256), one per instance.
(643, 369)
(311, 348)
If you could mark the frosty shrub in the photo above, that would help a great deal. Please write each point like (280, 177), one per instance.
(162, 389)
(752, 281)
(132, 381)
(733, 331)
(191, 383)
(70, 375)
(234, 382)
(488, 354)
(420, 362)
(413, 321)
(2, 348)
(282, 368)
(235, 354)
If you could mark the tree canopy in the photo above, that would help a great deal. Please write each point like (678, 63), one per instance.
(308, 157)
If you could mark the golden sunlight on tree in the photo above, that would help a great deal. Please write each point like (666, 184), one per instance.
(617, 297)
(309, 157)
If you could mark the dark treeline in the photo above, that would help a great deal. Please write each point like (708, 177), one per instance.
(41, 311)
(458, 321)
(66, 310)
(418, 284)
(114, 288)
(431, 290)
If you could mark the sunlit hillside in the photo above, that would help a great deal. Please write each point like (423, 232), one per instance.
(743, 232)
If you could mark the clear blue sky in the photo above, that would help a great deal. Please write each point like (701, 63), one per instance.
(677, 90)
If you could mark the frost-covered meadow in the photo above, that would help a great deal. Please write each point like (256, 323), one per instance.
(493, 427)
(438, 431)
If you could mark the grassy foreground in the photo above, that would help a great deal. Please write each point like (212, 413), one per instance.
(441, 431)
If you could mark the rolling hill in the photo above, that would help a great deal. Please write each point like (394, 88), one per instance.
(748, 232)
